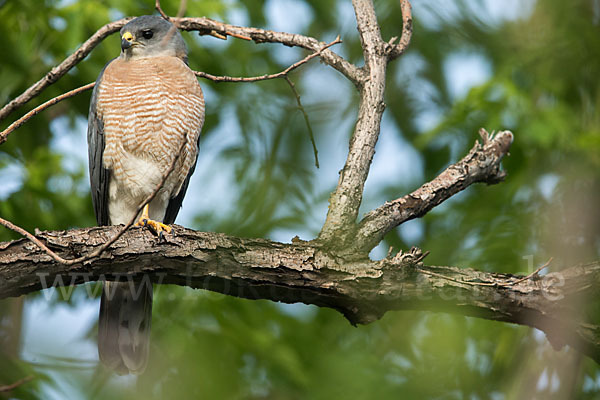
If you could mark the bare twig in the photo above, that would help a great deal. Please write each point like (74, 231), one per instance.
(281, 74)
(398, 49)
(12, 386)
(57, 72)
(534, 273)
(106, 245)
(310, 131)
(23, 232)
(503, 283)
(239, 36)
(180, 12)
(431, 273)
(207, 26)
(41, 108)
(217, 35)
(160, 10)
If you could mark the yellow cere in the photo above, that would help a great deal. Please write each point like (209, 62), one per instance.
(128, 36)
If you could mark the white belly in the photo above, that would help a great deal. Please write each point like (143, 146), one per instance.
(139, 179)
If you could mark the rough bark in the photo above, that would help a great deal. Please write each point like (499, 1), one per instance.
(345, 201)
(362, 290)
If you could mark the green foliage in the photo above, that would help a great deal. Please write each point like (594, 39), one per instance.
(542, 85)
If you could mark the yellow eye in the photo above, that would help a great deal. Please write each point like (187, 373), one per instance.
(127, 36)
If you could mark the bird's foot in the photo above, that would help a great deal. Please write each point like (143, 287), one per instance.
(156, 227)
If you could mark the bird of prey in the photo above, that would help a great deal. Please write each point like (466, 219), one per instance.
(145, 104)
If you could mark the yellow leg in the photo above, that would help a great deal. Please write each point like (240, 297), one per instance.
(155, 226)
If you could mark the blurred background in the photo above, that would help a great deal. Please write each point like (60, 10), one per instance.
(524, 65)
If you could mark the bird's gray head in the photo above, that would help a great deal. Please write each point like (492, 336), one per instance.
(151, 36)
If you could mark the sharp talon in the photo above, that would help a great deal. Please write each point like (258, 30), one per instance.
(156, 227)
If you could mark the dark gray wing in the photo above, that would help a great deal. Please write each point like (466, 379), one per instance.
(99, 176)
(175, 203)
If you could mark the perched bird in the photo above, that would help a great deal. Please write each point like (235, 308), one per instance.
(145, 104)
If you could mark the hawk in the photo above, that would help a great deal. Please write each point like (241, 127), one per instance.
(145, 104)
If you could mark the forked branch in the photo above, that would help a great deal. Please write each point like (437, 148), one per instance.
(482, 164)
(397, 50)
(340, 226)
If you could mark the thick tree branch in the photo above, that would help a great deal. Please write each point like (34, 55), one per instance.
(368, 30)
(362, 290)
(482, 164)
(344, 203)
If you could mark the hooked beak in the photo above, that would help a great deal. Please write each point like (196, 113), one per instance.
(126, 41)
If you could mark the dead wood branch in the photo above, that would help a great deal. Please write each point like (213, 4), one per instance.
(482, 164)
(362, 290)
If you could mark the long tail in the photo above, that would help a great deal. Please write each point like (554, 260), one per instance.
(124, 326)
